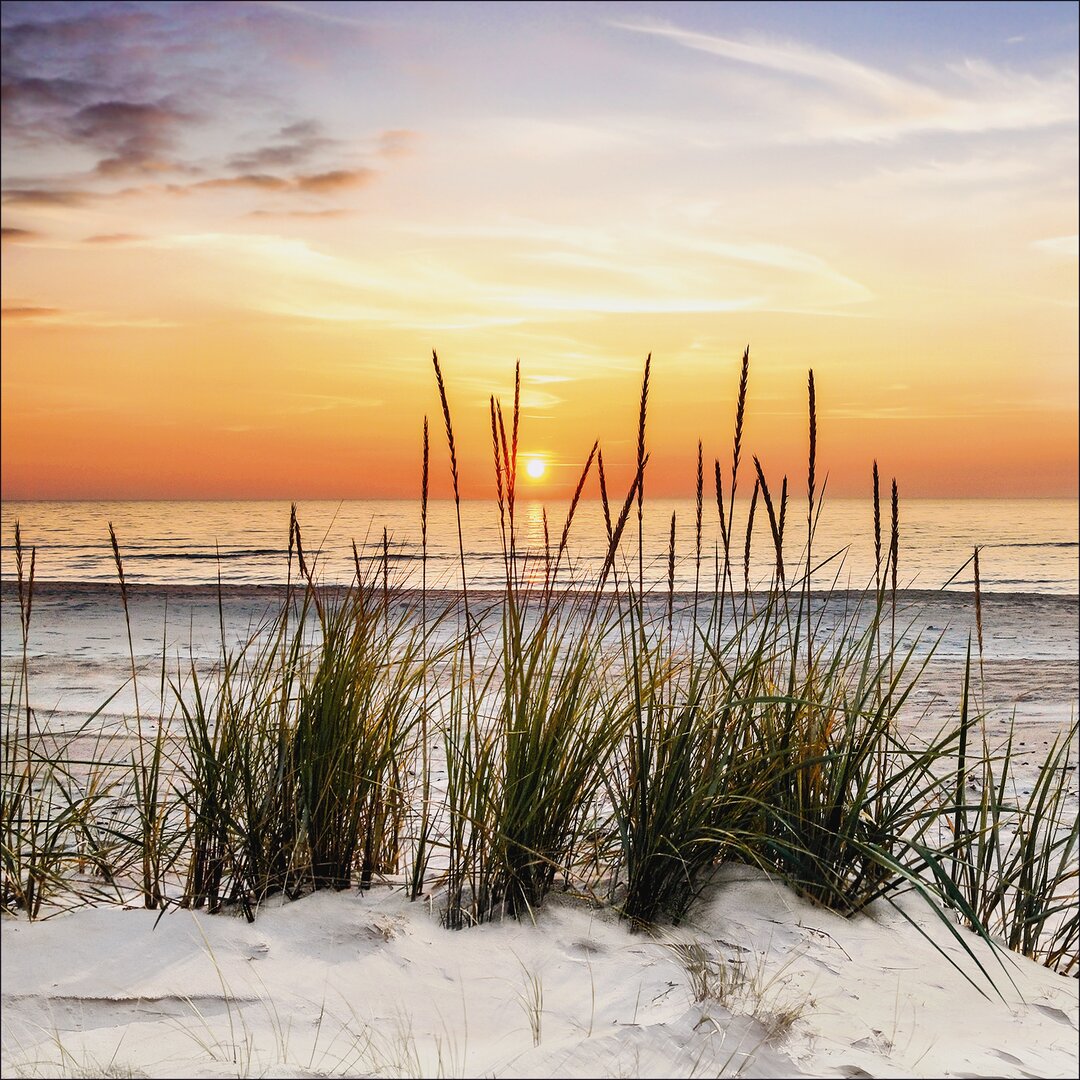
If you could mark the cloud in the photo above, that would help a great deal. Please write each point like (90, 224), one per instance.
(975, 171)
(294, 144)
(313, 183)
(316, 14)
(27, 313)
(334, 212)
(782, 257)
(12, 235)
(133, 137)
(70, 33)
(330, 182)
(113, 238)
(256, 181)
(94, 81)
(316, 403)
(21, 95)
(872, 104)
(136, 136)
(661, 265)
(125, 94)
(790, 58)
(1062, 246)
(396, 142)
(335, 180)
(131, 83)
(51, 316)
(40, 196)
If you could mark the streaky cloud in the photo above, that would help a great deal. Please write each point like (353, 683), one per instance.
(113, 238)
(294, 145)
(329, 212)
(1063, 246)
(878, 105)
(45, 197)
(321, 183)
(27, 313)
(316, 14)
(10, 234)
(396, 142)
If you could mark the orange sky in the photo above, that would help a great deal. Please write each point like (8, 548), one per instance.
(233, 235)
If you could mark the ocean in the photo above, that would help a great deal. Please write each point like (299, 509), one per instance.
(1027, 546)
(174, 553)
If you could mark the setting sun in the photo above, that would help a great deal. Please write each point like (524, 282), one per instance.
(535, 468)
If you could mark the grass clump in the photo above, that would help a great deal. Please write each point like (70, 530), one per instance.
(295, 767)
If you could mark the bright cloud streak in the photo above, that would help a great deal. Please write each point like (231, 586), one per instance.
(1067, 246)
(986, 97)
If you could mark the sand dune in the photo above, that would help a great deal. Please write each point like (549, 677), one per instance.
(759, 983)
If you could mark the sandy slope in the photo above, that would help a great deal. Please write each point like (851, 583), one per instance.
(343, 984)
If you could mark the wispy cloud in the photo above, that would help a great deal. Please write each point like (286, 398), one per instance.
(663, 266)
(333, 18)
(321, 183)
(53, 316)
(330, 212)
(981, 171)
(330, 182)
(792, 58)
(294, 144)
(114, 238)
(396, 142)
(869, 103)
(315, 403)
(45, 197)
(12, 235)
(1063, 246)
(781, 257)
(27, 313)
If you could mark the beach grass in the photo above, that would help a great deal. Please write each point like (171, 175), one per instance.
(566, 734)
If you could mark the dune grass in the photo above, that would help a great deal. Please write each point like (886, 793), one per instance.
(573, 734)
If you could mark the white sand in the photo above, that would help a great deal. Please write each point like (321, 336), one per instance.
(372, 985)
(344, 984)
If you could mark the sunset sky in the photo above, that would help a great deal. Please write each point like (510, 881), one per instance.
(233, 233)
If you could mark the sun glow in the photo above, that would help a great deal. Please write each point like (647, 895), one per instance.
(535, 468)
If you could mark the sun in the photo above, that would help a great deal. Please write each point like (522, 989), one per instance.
(535, 468)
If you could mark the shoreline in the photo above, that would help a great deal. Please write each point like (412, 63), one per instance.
(1031, 642)
(51, 589)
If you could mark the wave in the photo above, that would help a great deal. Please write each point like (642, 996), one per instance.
(1037, 544)
(1018, 581)
(211, 556)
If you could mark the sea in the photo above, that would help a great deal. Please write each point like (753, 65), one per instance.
(1026, 546)
(195, 571)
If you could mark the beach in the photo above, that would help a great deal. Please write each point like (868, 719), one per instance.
(757, 983)
(754, 981)
(78, 657)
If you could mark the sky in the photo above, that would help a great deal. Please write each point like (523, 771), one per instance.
(233, 233)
